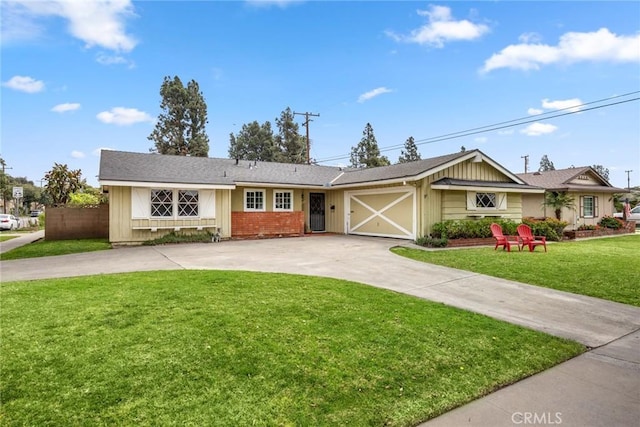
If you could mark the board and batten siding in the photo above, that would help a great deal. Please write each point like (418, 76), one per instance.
(131, 222)
(432, 201)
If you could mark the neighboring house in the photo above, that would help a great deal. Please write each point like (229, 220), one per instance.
(151, 194)
(593, 195)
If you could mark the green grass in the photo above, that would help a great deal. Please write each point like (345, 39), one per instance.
(5, 238)
(59, 247)
(238, 348)
(607, 268)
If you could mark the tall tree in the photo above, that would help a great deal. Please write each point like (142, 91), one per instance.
(602, 171)
(253, 142)
(410, 152)
(180, 129)
(546, 164)
(291, 146)
(61, 183)
(367, 152)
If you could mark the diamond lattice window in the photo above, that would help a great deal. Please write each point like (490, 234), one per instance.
(486, 200)
(187, 203)
(161, 203)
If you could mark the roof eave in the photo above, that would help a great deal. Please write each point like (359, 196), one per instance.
(145, 184)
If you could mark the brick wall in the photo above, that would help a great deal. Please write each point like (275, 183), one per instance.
(266, 224)
(76, 223)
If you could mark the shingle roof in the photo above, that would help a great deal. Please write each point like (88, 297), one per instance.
(560, 179)
(397, 171)
(477, 183)
(147, 167)
(156, 168)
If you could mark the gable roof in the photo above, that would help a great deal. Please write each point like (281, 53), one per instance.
(561, 180)
(148, 169)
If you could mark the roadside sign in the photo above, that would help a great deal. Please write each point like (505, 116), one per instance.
(17, 192)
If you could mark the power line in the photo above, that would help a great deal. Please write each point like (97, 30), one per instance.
(306, 124)
(505, 124)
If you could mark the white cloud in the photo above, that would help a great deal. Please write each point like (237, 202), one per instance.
(481, 139)
(572, 105)
(106, 59)
(63, 108)
(122, 116)
(534, 111)
(97, 23)
(597, 46)
(530, 38)
(77, 154)
(24, 84)
(505, 132)
(537, 129)
(441, 28)
(373, 93)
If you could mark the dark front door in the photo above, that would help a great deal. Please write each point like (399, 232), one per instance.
(316, 211)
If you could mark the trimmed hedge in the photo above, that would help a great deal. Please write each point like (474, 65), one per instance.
(551, 228)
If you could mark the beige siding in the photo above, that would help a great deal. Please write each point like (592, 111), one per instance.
(123, 229)
(237, 197)
(533, 207)
(431, 201)
(335, 217)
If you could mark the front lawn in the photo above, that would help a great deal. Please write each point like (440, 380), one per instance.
(236, 348)
(607, 268)
(5, 238)
(58, 247)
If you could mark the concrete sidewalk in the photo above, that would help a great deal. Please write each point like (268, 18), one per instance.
(21, 240)
(601, 387)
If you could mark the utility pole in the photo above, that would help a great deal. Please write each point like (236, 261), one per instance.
(306, 125)
(526, 162)
(628, 181)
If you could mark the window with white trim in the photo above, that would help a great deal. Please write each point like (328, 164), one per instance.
(187, 203)
(588, 206)
(282, 200)
(253, 200)
(486, 201)
(162, 203)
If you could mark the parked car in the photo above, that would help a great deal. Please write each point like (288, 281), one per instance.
(634, 216)
(8, 222)
(35, 213)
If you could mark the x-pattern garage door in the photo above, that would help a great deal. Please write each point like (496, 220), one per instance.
(387, 212)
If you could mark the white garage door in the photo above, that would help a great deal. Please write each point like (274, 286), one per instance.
(385, 212)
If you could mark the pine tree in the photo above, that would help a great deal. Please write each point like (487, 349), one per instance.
(546, 164)
(367, 152)
(253, 142)
(291, 146)
(602, 171)
(180, 129)
(410, 152)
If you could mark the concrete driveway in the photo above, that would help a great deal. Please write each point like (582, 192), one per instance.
(591, 321)
(599, 388)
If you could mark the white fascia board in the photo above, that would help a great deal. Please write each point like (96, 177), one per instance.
(485, 189)
(281, 185)
(401, 181)
(178, 185)
(476, 156)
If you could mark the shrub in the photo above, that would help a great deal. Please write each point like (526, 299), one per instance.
(610, 222)
(431, 242)
(551, 228)
(470, 229)
(584, 227)
(175, 237)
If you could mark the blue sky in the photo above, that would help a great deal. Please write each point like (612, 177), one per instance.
(78, 76)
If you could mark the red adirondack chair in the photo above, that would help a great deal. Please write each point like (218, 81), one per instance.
(502, 240)
(528, 239)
